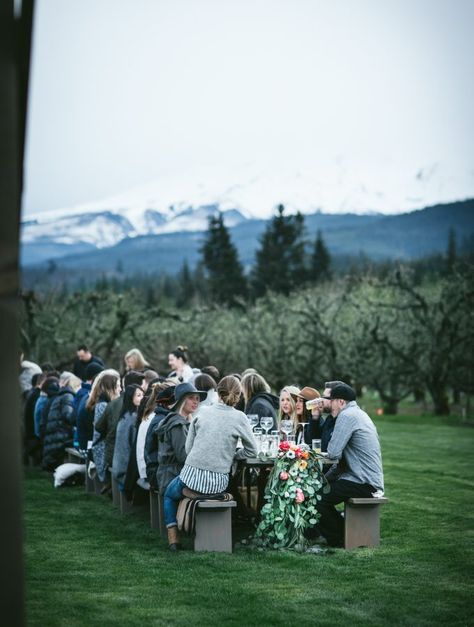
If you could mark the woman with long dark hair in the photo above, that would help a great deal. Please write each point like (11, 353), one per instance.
(178, 361)
(126, 432)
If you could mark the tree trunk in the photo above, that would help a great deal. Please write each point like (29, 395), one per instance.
(390, 406)
(440, 400)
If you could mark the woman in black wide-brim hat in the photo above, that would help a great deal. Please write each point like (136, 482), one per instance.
(172, 432)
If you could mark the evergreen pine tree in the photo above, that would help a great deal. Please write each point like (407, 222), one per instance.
(226, 278)
(451, 253)
(185, 290)
(280, 260)
(320, 260)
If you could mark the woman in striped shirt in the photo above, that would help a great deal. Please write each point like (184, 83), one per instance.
(211, 448)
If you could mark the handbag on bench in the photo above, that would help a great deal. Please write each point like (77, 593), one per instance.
(186, 515)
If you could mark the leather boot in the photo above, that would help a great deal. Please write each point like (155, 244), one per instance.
(173, 539)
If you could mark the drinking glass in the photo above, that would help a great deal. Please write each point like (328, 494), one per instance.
(267, 423)
(274, 441)
(287, 427)
(264, 445)
(316, 446)
(291, 439)
(253, 420)
(301, 431)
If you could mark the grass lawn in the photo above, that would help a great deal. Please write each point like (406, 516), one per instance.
(87, 565)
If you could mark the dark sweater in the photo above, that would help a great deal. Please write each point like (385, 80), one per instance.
(264, 404)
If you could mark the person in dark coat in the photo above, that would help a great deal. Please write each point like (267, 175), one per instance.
(172, 432)
(106, 424)
(258, 397)
(58, 433)
(32, 446)
(164, 401)
(126, 432)
(84, 357)
(49, 389)
(136, 480)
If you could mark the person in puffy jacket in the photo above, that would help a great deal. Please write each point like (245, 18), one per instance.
(258, 397)
(59, 423)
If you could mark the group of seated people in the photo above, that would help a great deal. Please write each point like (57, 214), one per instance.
(186, 429)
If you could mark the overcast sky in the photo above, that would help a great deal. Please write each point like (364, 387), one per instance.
(125, 91)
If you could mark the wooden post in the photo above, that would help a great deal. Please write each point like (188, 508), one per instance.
(15, 42)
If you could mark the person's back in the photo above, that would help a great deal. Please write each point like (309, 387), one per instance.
(59, 428)
(213, 435)
(84, 423)
(171, 434)
(106, 425)
(264, 404)
(361, 451)
(150, 450)
(124, 439)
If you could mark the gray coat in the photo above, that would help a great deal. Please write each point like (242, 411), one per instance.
(124, 440)
(172, 432)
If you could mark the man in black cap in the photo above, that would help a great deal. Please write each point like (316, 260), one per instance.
(354, 440)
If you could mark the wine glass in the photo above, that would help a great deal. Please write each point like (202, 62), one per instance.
(253, 420)
(287, 427)
(301, 432)
(267, 423)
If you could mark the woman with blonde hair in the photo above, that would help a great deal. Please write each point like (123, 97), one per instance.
(134, 360)
(287, 409)
(211, 447)
(258, 398)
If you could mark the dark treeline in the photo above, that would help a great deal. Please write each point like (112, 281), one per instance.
(298, 316)
(286, 260)
(395, 333)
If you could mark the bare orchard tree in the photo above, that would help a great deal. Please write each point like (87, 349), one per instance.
(421, 335)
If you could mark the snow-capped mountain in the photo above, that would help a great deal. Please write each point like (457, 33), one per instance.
(184, 202)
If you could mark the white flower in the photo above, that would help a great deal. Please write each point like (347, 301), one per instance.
(290, 454)
(287, 495)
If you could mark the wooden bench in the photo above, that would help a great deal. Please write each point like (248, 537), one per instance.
(362, 522)
(214, 526)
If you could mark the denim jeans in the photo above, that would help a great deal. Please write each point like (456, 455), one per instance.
(172, 497)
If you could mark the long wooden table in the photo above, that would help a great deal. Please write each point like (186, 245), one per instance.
(262, 465)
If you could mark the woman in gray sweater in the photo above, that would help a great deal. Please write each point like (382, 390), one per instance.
(211, 447)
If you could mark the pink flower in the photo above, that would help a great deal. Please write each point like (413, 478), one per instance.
(299, 496)
(283, 475)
